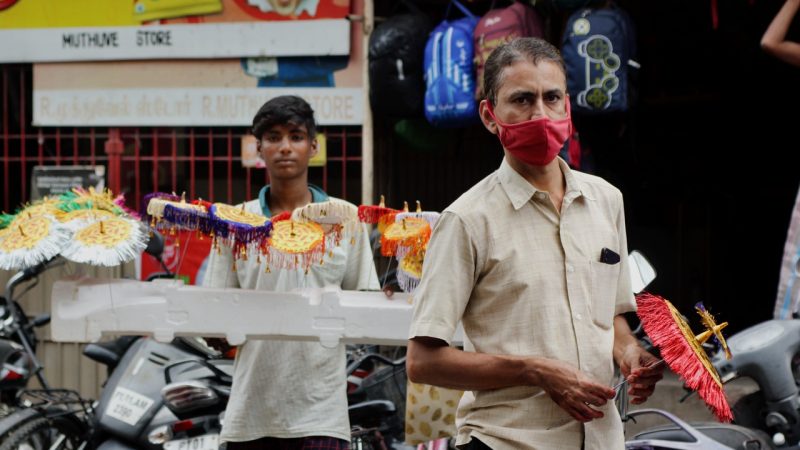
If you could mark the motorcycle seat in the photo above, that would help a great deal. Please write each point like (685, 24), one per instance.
(109, 353)
(731, 435)
(370, 411)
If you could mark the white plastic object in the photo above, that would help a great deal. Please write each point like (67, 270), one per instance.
(84, 309)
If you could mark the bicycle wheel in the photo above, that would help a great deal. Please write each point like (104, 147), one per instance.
(40, 433)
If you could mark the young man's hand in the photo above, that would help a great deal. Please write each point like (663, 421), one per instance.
(219, 344)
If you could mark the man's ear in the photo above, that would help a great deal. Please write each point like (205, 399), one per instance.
(258, 148)
(314, 147)
(486, 118)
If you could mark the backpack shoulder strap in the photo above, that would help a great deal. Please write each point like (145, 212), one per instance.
(460, 7)
(409, 6)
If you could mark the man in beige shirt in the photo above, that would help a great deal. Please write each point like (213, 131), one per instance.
(532, 260)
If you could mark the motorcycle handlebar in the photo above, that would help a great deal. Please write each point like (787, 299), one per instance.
(219, 374)
(357, 363)
(24, 275)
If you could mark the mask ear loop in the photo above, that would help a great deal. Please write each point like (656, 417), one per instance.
(497, 121)
(568, 108)
(491, 111)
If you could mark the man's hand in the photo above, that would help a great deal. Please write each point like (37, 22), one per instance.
(574, 391)
(219, 344)
(642, 370)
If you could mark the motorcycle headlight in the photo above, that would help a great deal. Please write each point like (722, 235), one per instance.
(186, 396)
(16, 364)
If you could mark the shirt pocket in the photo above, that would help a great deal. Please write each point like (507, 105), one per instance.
(605, 281)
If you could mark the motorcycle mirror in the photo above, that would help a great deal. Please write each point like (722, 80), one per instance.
(155, 246)
(642, 272)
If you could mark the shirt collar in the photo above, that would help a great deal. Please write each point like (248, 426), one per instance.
(317, 196)
(520, 191)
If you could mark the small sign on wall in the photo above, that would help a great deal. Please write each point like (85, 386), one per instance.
(56, 180)
(321, 158)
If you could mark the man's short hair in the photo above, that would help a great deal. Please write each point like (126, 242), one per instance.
(281, 110)
(529, 49)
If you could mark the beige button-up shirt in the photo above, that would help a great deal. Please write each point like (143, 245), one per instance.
(525, 280)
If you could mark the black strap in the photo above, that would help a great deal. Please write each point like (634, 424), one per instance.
(461, 7)
(409, 6)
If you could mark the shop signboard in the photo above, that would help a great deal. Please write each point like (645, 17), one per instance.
(215, 89)
(97, 30)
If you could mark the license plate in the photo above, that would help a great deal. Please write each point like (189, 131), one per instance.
(128, 406)
(204, 442)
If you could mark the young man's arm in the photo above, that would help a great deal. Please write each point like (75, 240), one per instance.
(774, 40)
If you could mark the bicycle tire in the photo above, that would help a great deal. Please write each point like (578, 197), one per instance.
(37, 432)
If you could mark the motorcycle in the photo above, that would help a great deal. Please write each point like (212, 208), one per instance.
(18, 343)
(130, 408)
(376, 407)
(197, 397)
(768, 354)
(376, 395)
(131, 412)
(678, 434)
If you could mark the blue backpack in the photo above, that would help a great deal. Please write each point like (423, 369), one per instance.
(449, 72)
(598, 50)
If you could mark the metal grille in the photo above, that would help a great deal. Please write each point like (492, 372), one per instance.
(206, 163)
(203, 162)
(24, 146)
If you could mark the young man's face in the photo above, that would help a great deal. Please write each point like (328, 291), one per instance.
(286, 149)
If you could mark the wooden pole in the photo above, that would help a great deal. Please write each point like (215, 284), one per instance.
(367, 155)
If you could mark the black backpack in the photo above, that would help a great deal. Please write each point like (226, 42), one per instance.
(396, 50)
(598, 47)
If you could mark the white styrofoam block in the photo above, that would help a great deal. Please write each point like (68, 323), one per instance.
(85, 309)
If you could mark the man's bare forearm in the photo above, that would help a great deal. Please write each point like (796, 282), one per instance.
(774, 39)
(623, 337)
(432, 363)
(776, 31)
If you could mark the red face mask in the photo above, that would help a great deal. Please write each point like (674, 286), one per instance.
(535, 142)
